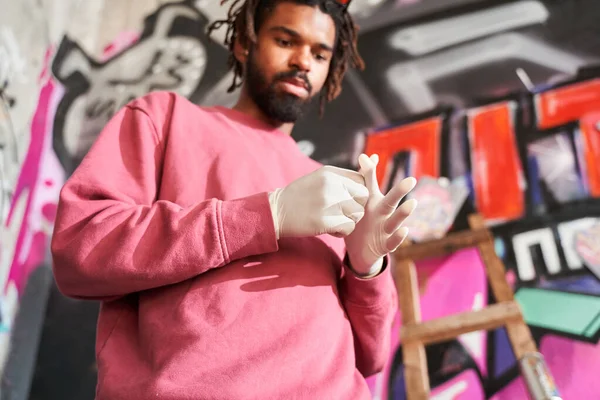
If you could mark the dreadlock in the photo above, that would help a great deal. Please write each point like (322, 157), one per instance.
(245, 17)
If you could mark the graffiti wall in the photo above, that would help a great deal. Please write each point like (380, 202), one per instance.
(170, 53)
(54, 102)
(30, 177)
(532, 172)
(505, 95)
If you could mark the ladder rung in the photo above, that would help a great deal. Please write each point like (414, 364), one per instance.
(444, 246)
(451, 326)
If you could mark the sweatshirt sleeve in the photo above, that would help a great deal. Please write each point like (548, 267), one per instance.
(371, 305)
(112, 235)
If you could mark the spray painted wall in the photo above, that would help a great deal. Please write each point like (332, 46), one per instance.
(506, 97)
(30, 174)
(444, 94)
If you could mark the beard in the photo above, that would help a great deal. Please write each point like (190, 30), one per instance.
(277, 105)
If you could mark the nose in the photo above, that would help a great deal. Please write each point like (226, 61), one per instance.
(301, 59)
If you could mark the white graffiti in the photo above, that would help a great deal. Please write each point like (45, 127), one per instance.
(428, 37)
(12, 70)
(558, 167)
(473, 341)
(12, 63)
(544, 237)
(587, 246)
(9, 158)
(97, 90)
(522, 243)
(411, 79)
(452, 392)
(567, 232)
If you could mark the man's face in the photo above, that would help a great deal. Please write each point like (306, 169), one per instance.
(290, 62)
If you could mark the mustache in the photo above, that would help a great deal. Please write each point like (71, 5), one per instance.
(294, 74)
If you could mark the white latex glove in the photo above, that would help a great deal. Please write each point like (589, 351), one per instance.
(330, 200)
(379, 231)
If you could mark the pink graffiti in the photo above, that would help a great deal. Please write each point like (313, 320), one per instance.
(41, 176)
(574, 366)
(40, 180)
(439, 279)
(459, 278)
(456, 284)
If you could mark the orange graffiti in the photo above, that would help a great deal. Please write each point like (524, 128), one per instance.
(496, 168)
(590, 135)
(422, 137)
(566, 104)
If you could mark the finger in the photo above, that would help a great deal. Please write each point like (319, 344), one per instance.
(352, 209)
(358, 192)
(397, 218)
(396, 239)
(375, 158)
(346, 173)
(394, 196)
(368, 168)
(344, 229)
(337, 224)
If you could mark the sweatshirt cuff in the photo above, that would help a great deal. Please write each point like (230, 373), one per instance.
(246, 227)
(370, 292)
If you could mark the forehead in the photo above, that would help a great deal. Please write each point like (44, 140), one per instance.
(309, 22)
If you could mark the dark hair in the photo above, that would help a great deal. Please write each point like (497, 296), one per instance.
(245, 17)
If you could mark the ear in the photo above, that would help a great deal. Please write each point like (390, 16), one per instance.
(240, 51)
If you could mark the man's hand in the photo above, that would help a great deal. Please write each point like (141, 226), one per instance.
(379, 231)
(328, 201)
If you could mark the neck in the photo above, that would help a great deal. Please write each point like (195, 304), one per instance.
(249, 107)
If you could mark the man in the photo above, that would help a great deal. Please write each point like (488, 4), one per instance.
(230, 265)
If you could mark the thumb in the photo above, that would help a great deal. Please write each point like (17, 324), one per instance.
(368, 169)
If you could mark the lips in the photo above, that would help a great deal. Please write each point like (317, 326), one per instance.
(296, 82)
(295, 86)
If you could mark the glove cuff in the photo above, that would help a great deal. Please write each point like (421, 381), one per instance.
(273, 202)
(384, 264)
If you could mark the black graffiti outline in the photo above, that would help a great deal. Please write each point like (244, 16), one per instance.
(8, 99)
(525, 134)
(76, 84)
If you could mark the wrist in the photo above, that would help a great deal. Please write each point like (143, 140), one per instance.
(273, 203)
(367, 272)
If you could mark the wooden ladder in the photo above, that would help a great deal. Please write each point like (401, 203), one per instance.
(414, 334)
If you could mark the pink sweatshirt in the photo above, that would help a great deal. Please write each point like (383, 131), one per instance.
(167, 222)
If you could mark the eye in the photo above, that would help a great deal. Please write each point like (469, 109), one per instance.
(320, 57)
(283, 42)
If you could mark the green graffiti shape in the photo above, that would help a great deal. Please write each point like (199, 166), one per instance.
(562, 312)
